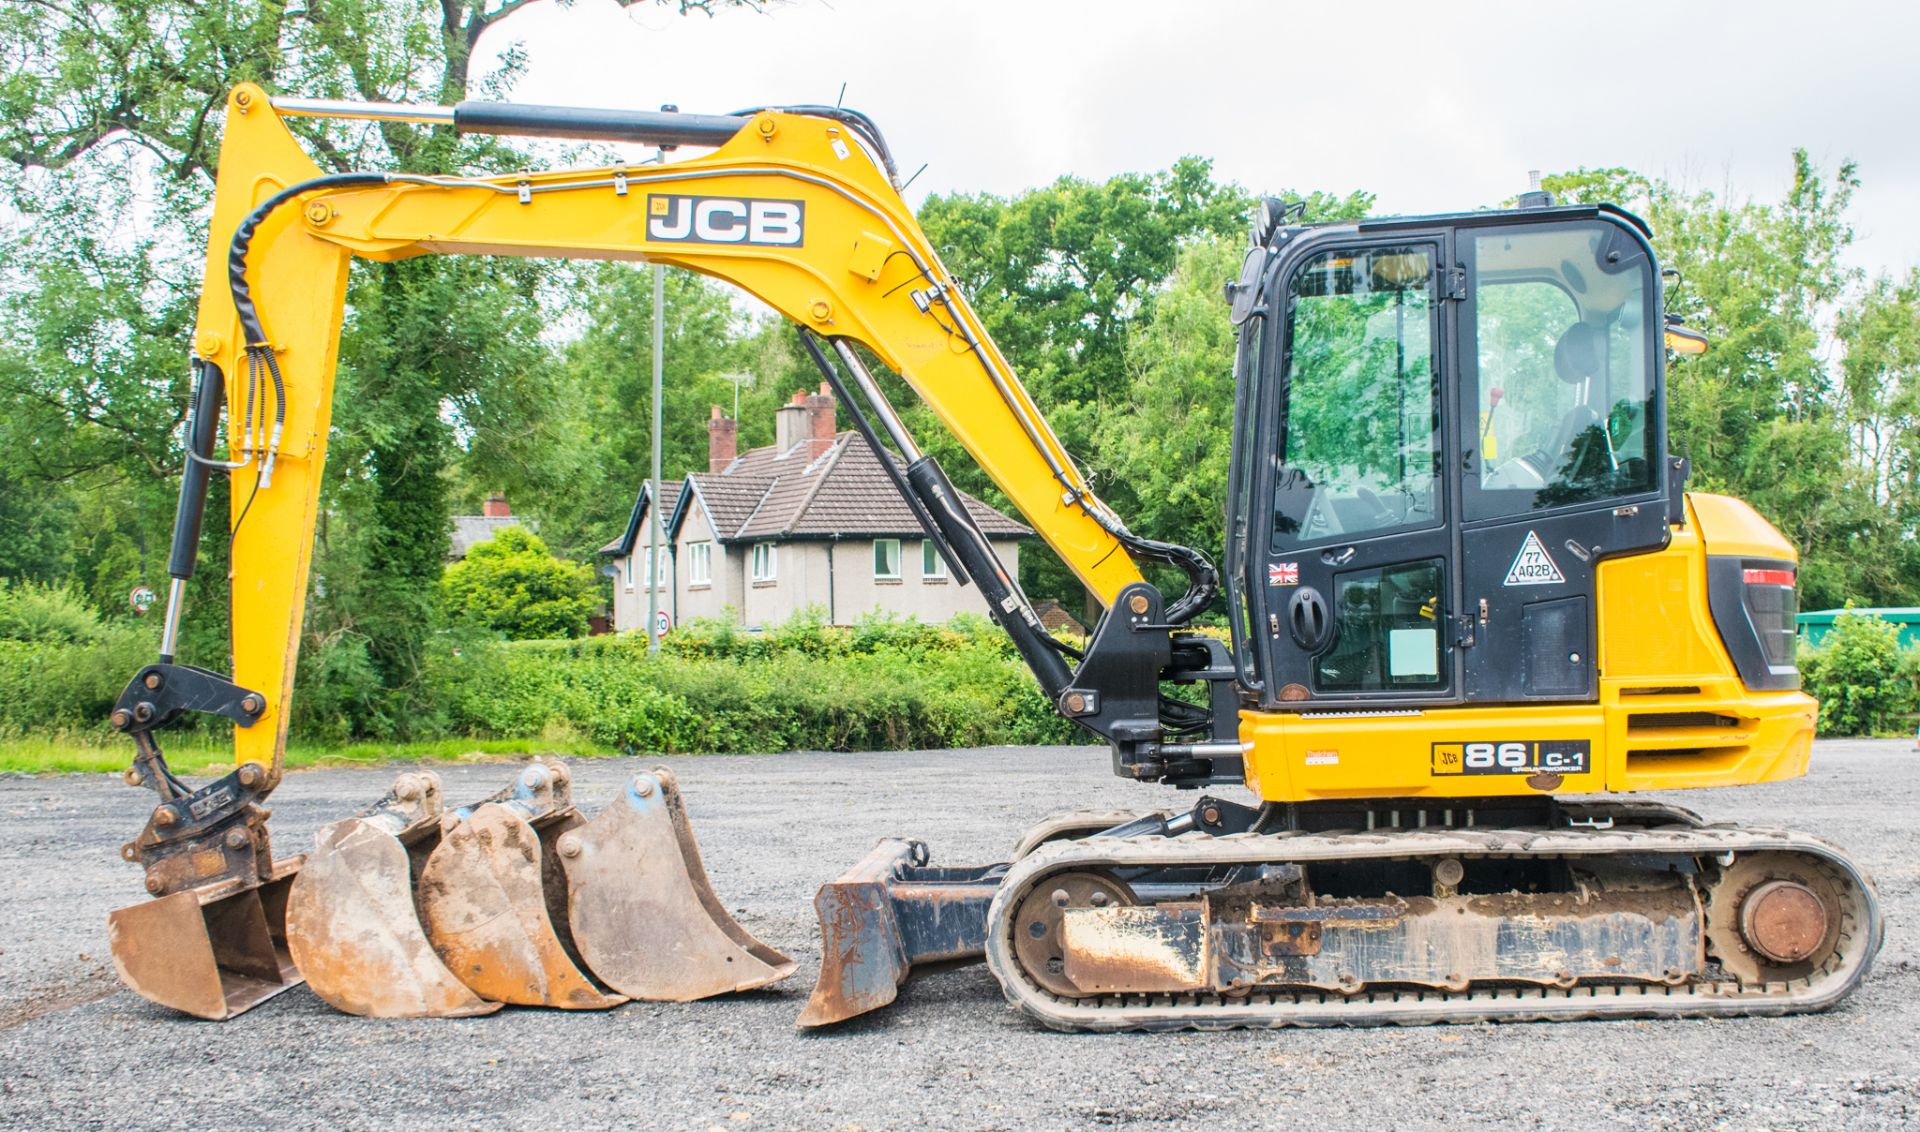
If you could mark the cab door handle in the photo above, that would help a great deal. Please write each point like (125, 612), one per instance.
(1309, 621)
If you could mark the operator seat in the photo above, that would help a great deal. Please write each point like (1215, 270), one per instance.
(1576, 357)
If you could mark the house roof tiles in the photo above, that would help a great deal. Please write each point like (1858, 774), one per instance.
(816, 489)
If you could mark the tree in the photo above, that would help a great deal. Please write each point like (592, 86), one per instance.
(102, 97)
(1062, 276)
(592, 468)
(511, 584)
(1761, 413)
(1171, 440)
(1880, 404)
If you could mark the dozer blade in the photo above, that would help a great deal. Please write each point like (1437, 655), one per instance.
(887, 914)
(352, 923)
(490, 898)
(210, 952)
(643, 914)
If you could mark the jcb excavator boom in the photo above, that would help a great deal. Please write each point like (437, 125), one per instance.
(1463, 576)
(798, 207)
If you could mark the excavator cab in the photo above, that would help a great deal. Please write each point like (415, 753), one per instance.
(1444, 424)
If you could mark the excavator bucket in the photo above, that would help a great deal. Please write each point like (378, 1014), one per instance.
(351, 919)
(492, 898)
(210, 952)
(888, 914)
(642, 912)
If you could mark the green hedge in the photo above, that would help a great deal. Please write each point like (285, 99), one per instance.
(1864, 680)
(58, 688)
(884, 684)
(881, 685)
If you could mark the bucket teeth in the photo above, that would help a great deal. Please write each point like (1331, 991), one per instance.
(487, 899)
(643, 914)
(351, 922)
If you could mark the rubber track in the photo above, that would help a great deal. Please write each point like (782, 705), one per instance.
(1860, 934)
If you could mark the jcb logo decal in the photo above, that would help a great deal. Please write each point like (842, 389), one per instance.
(1563, 756)
(725, 220)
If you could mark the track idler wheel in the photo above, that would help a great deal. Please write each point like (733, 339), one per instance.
(1773, 917)
(644, 917)
(1038, 935)
(352, 925)
(485, 898)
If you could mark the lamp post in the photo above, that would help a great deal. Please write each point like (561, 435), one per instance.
(653, 504)
(738, 380)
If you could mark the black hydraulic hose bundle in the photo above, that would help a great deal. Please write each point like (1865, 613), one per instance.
(209, 388)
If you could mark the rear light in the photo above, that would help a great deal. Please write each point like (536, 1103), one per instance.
(1754, 606)
(1772, 606)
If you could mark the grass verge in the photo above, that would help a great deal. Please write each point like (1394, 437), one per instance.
(188, 755)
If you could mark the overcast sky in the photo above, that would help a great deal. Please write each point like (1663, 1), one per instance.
(1433, 107)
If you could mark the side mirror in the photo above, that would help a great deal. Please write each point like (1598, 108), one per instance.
(1682, 340)
(1244, 292)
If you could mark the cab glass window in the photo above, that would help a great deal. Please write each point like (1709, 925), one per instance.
(1360, 439)
(1386, 630)
(1562, 364)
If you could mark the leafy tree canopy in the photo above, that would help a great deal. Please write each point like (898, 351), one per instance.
(513, 585)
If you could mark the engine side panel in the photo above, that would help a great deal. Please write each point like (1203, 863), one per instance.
(1672, 712)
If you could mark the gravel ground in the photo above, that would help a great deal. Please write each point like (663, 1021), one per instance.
(76, 1050)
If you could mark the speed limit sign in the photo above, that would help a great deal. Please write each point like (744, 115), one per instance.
(661, 623)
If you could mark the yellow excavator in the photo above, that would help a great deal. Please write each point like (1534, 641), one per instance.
(1471, 607)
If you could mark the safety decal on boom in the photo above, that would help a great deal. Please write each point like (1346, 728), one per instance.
(672, 218)
(1543, 756)
(1533, 566)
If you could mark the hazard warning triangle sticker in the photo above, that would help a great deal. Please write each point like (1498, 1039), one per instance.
(1533, 566)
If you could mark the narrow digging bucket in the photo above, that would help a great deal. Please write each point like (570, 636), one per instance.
(351, 920)
(491, 899)
(643, 913)
(888, 914)
(213, 952)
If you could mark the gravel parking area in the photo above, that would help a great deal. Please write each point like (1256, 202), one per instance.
(78, 1051)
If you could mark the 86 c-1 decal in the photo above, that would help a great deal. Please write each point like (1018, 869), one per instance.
(1549, 756)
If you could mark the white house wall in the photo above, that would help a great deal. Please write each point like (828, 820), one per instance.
(801, 580)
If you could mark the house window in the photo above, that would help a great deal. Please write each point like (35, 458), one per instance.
(886, 558)
(626, 566)
(660, 575)
(765, 562)
(931, 564)
(699, 563)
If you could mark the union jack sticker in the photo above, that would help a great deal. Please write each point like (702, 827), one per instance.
(1283, 573)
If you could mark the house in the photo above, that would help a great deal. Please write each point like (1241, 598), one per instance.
(470, 531)
(1054, 618)
(812, 520)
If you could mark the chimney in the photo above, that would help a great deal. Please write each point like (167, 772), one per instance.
(822, 425)
(723, 441)
(496, 507)
(790, 423)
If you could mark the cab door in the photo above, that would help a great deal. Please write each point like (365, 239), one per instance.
(1562, 444)
(1355, 561)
